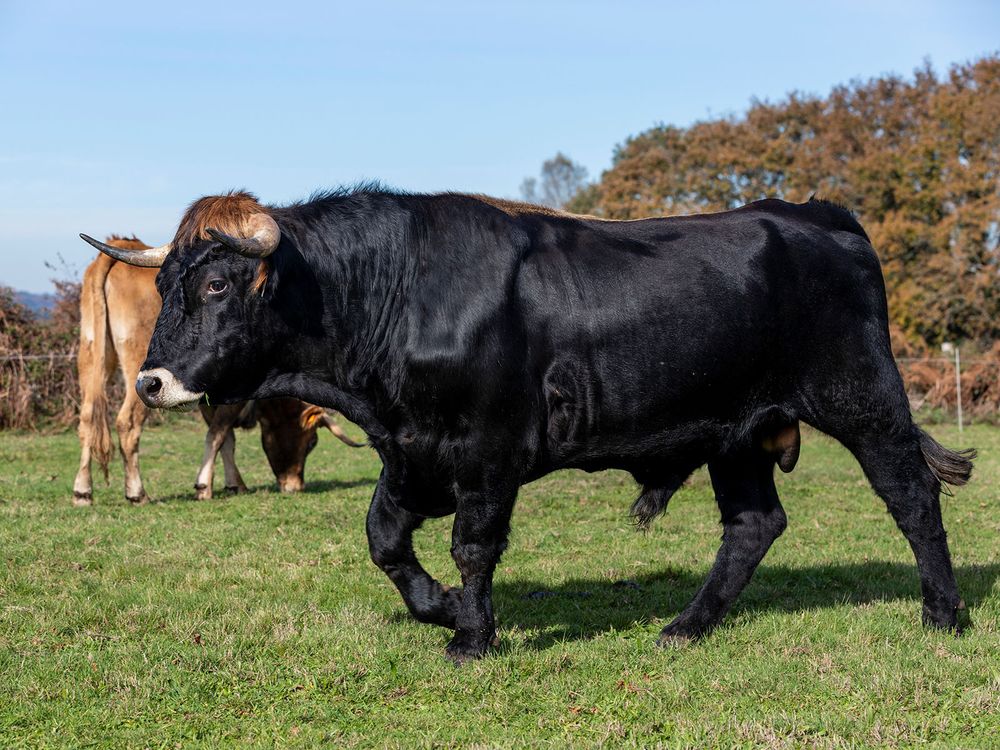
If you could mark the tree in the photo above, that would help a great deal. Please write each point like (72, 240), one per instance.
(561, 179)
(918, 160)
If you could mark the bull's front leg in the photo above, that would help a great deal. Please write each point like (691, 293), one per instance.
(390, 541)
(479, 537)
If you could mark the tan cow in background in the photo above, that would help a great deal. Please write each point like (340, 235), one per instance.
(118, 309)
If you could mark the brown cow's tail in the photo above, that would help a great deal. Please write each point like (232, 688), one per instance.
(950, 467)
(92, 364)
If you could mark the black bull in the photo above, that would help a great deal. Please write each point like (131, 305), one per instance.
(482, 344)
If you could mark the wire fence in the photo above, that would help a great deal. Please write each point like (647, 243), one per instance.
(953, 389)
(38, 390)
(35, 357)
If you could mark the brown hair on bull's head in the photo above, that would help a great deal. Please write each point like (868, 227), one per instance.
(236, 219)
(234, 214)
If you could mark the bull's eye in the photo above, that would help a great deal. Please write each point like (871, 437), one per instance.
(217, 286)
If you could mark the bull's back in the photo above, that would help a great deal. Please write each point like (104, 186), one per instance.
(660, 323)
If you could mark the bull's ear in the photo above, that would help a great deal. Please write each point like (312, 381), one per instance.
(310, 417)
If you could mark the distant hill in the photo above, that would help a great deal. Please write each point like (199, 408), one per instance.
(40, 303)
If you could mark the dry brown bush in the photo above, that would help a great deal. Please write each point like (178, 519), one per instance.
(38, 384)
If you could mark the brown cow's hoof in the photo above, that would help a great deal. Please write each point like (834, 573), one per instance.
(235, 490)
(202, 492)
(82, 499)
(138, 500)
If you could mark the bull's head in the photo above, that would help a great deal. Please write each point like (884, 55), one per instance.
(204, 338)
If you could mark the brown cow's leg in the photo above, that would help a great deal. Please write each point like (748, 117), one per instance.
(214, 439)
(93, 431)
(390, 541)
(234, 481)
(90, 375)
(220, 421)
(83, 485)
(131, 418)
(752, 519)
(96, 362)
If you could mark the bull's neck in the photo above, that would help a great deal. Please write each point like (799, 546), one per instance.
(346, 280)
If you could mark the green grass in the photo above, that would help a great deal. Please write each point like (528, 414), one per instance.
(259, 619)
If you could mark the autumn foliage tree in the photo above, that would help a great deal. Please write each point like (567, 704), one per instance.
(917, 159)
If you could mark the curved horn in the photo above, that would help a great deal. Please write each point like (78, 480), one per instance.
(327, 421)
(262, 242)
(151, 258)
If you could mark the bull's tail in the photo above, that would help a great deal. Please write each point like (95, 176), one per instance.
(654, 498)
(950, 467)
(92, 363)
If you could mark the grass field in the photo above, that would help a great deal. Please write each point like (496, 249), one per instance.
(259, 619)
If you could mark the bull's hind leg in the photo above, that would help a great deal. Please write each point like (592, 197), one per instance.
(898, 465)
(752, 519)
(478, 539)
(390, 541)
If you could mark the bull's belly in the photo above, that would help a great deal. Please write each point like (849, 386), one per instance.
(614, 411)
(648, 448)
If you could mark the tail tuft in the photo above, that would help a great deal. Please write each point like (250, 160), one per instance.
(651, 503)
(655, 497)
(950, 467)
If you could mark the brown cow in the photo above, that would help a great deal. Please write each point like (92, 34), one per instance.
(118, 308)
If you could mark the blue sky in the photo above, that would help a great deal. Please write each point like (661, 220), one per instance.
(115, 116)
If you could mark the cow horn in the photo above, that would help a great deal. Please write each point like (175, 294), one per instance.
(151, 258)
(327, 421)
(262, 242)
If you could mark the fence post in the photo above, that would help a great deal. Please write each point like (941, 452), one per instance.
(958, 387)
(947, 347)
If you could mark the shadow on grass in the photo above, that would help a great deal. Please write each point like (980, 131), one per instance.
(328, 485)
(582, 608)
(220, 494)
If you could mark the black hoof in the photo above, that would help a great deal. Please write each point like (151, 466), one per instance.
(82, 498)
(679, 634)
(463, 649)
(954, 619)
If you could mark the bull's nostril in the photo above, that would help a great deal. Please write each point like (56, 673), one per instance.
(151, 385)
